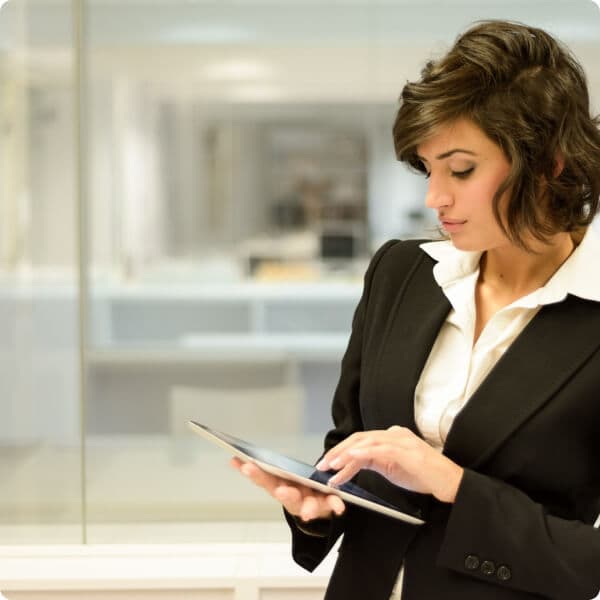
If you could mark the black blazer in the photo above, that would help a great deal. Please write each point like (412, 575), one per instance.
(529, 440)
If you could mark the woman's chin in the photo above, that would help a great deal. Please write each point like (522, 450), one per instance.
(465, 244)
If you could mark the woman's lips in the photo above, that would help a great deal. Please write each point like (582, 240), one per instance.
(452, 225)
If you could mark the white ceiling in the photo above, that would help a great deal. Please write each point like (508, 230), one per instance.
(274, 50)
(283, 22)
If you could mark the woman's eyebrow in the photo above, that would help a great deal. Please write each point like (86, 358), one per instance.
(449, 153)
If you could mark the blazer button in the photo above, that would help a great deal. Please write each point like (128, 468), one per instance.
(503, 573)
(472, 562)
(488, 567)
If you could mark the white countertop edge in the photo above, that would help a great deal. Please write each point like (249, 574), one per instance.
(168, 566)
(310, 581)
(112, 550)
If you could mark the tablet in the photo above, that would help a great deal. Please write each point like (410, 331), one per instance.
(300, 472)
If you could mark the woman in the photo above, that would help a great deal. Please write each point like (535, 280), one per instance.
(472, 375)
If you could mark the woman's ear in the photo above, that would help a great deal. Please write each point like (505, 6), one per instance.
(559, 163)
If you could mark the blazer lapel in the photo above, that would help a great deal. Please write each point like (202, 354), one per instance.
(556, 342)
(417, 315)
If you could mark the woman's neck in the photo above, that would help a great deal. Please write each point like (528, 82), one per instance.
(512, 271)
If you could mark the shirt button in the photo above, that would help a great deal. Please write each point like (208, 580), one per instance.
(503, 573)
(488, 567)
(472, 562)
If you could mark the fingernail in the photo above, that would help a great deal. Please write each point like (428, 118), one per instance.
(321, 465)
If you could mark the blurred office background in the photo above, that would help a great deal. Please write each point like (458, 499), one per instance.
(190, 191)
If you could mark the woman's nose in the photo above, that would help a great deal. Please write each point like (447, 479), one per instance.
(437, 195)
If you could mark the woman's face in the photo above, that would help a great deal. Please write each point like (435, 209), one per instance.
(465, 168)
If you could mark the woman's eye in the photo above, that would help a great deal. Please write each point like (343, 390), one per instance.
(421, 167)
(463, 174)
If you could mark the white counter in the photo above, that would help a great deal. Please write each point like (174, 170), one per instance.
(248, 571)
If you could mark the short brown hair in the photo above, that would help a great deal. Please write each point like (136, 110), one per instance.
(529, 95)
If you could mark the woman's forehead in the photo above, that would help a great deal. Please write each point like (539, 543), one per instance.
(462, 135)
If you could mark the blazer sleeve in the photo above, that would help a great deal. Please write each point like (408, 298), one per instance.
(312, 541)
(523, 547)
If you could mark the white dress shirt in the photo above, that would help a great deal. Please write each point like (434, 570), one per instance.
(456, 366)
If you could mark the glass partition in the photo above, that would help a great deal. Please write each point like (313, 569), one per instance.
(243, 173)
(40, 452)
(238, 170)
(233, 149)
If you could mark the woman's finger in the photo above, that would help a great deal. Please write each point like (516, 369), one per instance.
(348, 471)
(329, 458)
(336, 504)
(341, 456)
(310, 508)
(259, 477)
(306, 503)
(291, 498)
(298, 500)
(236, 463)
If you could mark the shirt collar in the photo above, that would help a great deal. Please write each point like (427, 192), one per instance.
(577, 276)
(452, 264)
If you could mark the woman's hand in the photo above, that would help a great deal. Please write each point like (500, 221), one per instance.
(400, 456)
(299, 500)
